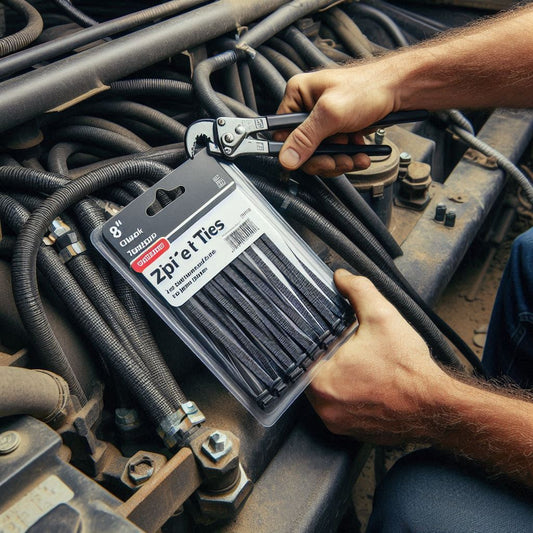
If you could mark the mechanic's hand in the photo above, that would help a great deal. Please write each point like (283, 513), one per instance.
(342, 101)
(381, 383)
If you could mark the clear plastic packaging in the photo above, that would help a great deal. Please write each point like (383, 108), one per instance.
(238, 285)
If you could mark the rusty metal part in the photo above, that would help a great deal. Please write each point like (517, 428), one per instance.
(475, 156)
(159, 497)
(215, 506)
(414, 188)
(221, 474)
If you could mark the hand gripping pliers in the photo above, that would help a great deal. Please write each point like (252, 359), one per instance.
(231, 137)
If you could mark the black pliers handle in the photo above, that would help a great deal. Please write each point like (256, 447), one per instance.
(231, 137)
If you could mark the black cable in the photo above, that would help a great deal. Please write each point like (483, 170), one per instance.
(28, 34)
(24, 280)
(75, 14)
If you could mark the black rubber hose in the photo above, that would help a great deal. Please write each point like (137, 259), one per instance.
(384, 20)
(232, 83)
(176, 90)
(106, 139)
(316, 194)
(104, 124)
(247, 86)
(75, 14)
(304, 214)
(39, 331)
(288, 51)
(351, 36)
(28, 34)
(202, 83)
(140, 112)
(283, 64)
(309, 52)
(277, 21)
(163, 88)
(112, 310)
(25, 282)
(171, 155)
(351, 197)
(273, 81)
(68, 43)
(58, 156)
(33, 392)
(92, 70)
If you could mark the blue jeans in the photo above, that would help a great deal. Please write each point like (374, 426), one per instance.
(427, 491)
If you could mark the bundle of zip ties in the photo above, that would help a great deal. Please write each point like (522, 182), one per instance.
(267, 318)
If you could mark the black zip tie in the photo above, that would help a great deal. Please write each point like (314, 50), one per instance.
(273, 292)
(297, 279)
(261, 303)
(252, 329)
(334, 296)
(220, 335)
(252, 259)
(300, 283)
(222, 304)
(286, 362)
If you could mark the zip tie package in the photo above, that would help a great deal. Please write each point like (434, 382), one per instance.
(238, 285)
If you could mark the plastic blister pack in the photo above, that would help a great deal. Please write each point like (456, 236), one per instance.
(232, 279)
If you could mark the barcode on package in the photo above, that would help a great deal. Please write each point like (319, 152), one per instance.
(240, 235)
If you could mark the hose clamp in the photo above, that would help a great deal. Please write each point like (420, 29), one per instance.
(176, 428)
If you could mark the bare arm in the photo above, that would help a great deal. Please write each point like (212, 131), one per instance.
(383, 386)
(489, 64)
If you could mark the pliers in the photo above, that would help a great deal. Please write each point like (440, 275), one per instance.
(231, 137)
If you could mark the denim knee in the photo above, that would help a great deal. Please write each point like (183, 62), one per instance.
(427, 491)
(509, 345)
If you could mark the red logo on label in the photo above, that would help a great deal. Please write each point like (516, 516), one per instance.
(148, 257)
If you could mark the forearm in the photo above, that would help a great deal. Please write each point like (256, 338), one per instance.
(493, 428)
(487, 65)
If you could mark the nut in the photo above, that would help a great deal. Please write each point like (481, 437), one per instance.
(140, 469)
(226, 504)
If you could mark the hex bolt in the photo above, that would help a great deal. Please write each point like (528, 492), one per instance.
(221, 122)
(140, 469)
(440, 212)
(228, 138)
(190, 408)
(217, 445)
(379, 136)
(450, 219)
(217, 441)
(9, 442)
(405, 161)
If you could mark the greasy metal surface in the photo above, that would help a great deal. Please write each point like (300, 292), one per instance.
(432, 252)
(34, 463)
(307, 485)
(152, 505)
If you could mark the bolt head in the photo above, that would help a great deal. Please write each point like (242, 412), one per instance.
(221, 122)
(217, 441)
(217, 445)
(9, 442)
(227, 150)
